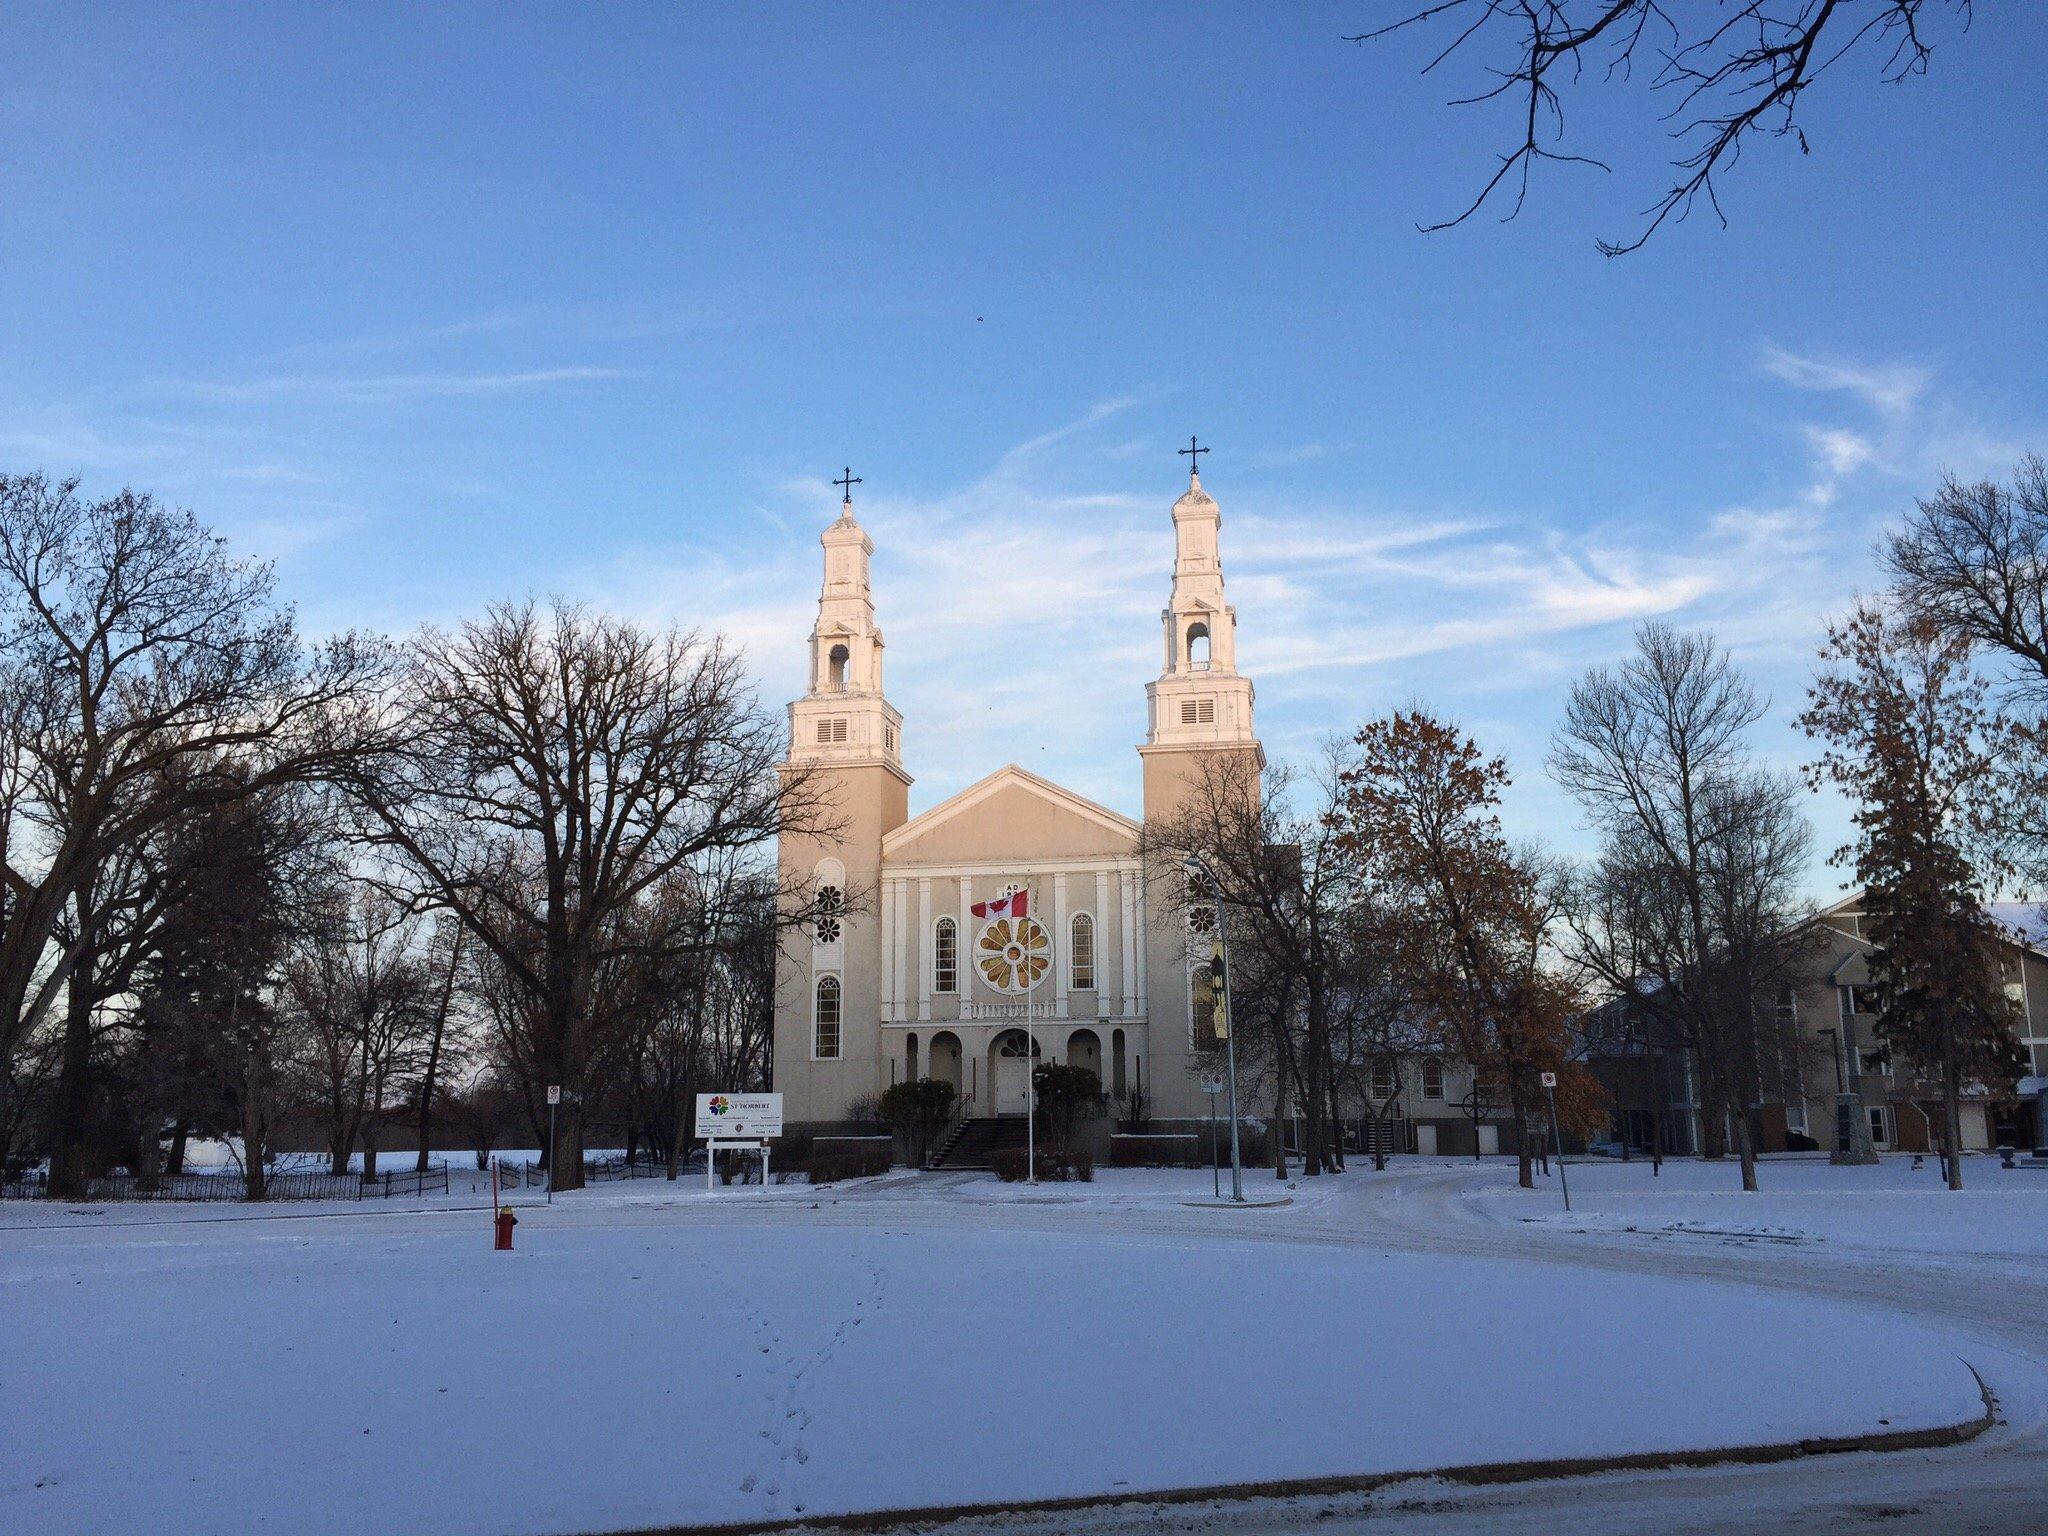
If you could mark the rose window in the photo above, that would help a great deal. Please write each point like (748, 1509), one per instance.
(1013, 953)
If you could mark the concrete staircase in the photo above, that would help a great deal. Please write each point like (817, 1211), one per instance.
(972, 1140)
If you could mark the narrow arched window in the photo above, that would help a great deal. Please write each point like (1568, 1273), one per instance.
(1198, 646)
(825, 1020)
(1432, 1079)
(835, 669)
(946, 956)
(1081, 946)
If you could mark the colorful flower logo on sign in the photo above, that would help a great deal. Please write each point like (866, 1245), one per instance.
(720, 1104)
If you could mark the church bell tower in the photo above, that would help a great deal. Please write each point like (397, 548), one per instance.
(1199, 705)
(846, 745)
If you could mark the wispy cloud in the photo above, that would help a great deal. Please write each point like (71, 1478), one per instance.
(1890, 387)
(379, 389)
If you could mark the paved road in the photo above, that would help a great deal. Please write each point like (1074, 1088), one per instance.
(1997, 1309)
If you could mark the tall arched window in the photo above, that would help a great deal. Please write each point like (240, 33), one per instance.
(835, 669)
(1081, 947)
(1198, 646)
(825, 1020)
(946, 956)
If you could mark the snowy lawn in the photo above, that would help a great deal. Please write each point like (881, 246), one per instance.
(637, 1364)
(1888, 1205)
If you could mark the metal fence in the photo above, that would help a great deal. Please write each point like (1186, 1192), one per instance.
(430, 1180)
(194, 1186)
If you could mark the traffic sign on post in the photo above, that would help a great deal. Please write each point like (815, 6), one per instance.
(1550, 1079)
(554, 1093)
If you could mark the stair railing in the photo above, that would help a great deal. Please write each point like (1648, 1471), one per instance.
(943, 1143)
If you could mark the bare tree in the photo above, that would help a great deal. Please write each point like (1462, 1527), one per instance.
(144, 675)
(1972, 560)
(1290, 893)
(357, 980)
(558, 767)
(1734, 72)
(1692, 909)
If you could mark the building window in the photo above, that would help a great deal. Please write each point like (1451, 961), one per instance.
(831, 731)
(1383, 1079)
(1880, 1129)
(1197, 711)
(1082, 951)
(889, 735)
(825, 1020)
(1855, 1000)
(1202, 1010)
(831, 905)
(1432, 1078)
(946, 956)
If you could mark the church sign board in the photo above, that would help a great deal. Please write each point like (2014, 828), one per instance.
(738, 1116)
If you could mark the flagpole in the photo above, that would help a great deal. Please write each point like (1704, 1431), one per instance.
(1030, 1058)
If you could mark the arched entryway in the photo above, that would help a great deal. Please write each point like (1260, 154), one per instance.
(1009, 1072)
(943, 1062)
(1084, 1049)
(910, 1072)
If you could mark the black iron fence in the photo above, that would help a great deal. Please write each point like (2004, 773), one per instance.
(431, 1180)
(194, 1186)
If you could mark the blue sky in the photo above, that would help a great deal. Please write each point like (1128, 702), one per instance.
(437, 305)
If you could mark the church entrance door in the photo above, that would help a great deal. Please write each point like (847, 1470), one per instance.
(1010, 1073)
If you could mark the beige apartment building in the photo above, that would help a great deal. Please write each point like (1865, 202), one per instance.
(1826, 1078)
(1013, 920)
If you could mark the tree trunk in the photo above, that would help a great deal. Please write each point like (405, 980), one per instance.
(1952, 1137)
(565, 1167)
(69, 1148)
(174, 1162)
(430, 1082)
(1525, 1168)
(1278, 1136)
(255, 1097)
(1745, 1146)
(149, 1150)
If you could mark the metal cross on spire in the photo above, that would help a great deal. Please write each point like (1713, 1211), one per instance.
(1192, 453)
(848, 480)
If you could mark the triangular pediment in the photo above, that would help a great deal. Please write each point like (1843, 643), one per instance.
(1013, 815)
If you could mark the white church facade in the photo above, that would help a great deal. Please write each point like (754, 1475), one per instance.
(923, 964)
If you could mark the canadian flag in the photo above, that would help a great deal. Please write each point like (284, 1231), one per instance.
(1012, 905)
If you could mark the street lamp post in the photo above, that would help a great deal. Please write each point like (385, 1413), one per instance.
(1195, 861)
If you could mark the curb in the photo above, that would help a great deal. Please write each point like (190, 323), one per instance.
(1479, 1475)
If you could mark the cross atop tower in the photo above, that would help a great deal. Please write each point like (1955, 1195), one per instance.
(1192, 453)
(848, 480)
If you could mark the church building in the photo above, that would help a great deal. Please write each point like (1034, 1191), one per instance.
(1014, 919)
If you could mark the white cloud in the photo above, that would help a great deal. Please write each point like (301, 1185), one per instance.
(1892, 388)
(378, 389)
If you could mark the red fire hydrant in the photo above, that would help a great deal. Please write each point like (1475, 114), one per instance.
(506, 1222)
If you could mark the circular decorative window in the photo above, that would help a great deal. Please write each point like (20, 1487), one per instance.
(1012, 953)
(831, 902)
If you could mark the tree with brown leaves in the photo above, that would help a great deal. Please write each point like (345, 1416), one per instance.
(1470, 916)
(1913, 741)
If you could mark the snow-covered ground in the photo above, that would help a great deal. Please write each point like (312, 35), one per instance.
(651, 1355)
(1889, 1205)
